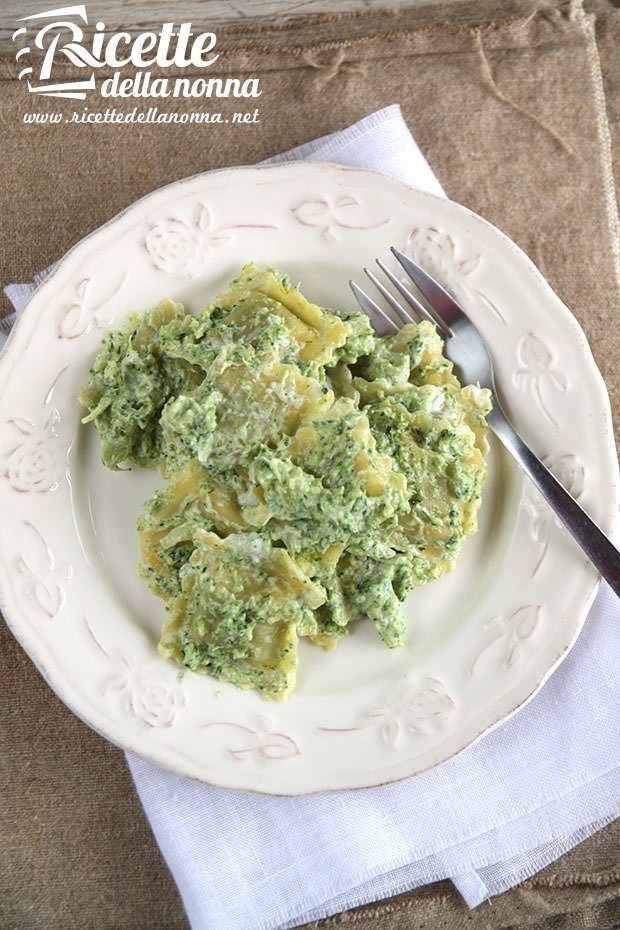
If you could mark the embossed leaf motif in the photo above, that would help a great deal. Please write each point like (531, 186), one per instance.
(261, 741)
(570, 471)
(510, 634)
(525, 622)
(438, 253)
(415, 708)
(539, 528)
(143, 692)
(537, 372)
(328, 214)
(469, 265)
(23, 426)
(44, 580)
(418, 709)
(84, 311)
(179, 247)
(73, 320)
(204, 221)
(540, 524)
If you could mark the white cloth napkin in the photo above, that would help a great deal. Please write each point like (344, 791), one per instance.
(487, 819)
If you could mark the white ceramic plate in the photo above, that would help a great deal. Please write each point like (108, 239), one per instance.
(481, 641)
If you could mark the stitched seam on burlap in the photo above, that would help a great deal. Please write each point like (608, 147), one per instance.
(586, 22)
(294, 56)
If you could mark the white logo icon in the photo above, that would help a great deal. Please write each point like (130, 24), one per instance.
(54, 43)
(59, 35)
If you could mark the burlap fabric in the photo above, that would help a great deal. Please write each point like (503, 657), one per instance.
(517, 107)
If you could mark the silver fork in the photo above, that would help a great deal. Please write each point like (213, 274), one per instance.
(465, 347)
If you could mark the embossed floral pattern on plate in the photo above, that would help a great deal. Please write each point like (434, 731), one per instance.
(539, 374)
(571, 472)
(147, 692)
(414, 708)
(362, 715)
(331, 215)
(509, 634)
(32, 459)
(438, 253)
(179, 247)
(263, 740)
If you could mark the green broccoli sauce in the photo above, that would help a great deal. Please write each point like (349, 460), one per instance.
(315, 473)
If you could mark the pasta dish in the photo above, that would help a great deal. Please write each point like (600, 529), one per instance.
(314, 472)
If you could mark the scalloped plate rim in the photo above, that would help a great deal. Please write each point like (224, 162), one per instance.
(30, 643)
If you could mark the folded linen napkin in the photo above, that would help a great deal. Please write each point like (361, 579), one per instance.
(487, 819)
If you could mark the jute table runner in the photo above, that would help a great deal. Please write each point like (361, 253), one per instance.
(517, 107)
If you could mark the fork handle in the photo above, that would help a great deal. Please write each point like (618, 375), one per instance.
(596, 545)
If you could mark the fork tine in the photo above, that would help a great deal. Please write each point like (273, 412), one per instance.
(369, 306)
(413, 301)
(432, 290)
(405, 315)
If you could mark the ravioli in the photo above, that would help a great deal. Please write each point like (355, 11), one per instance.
(241, 607)
(314, 473)
(317, 332)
